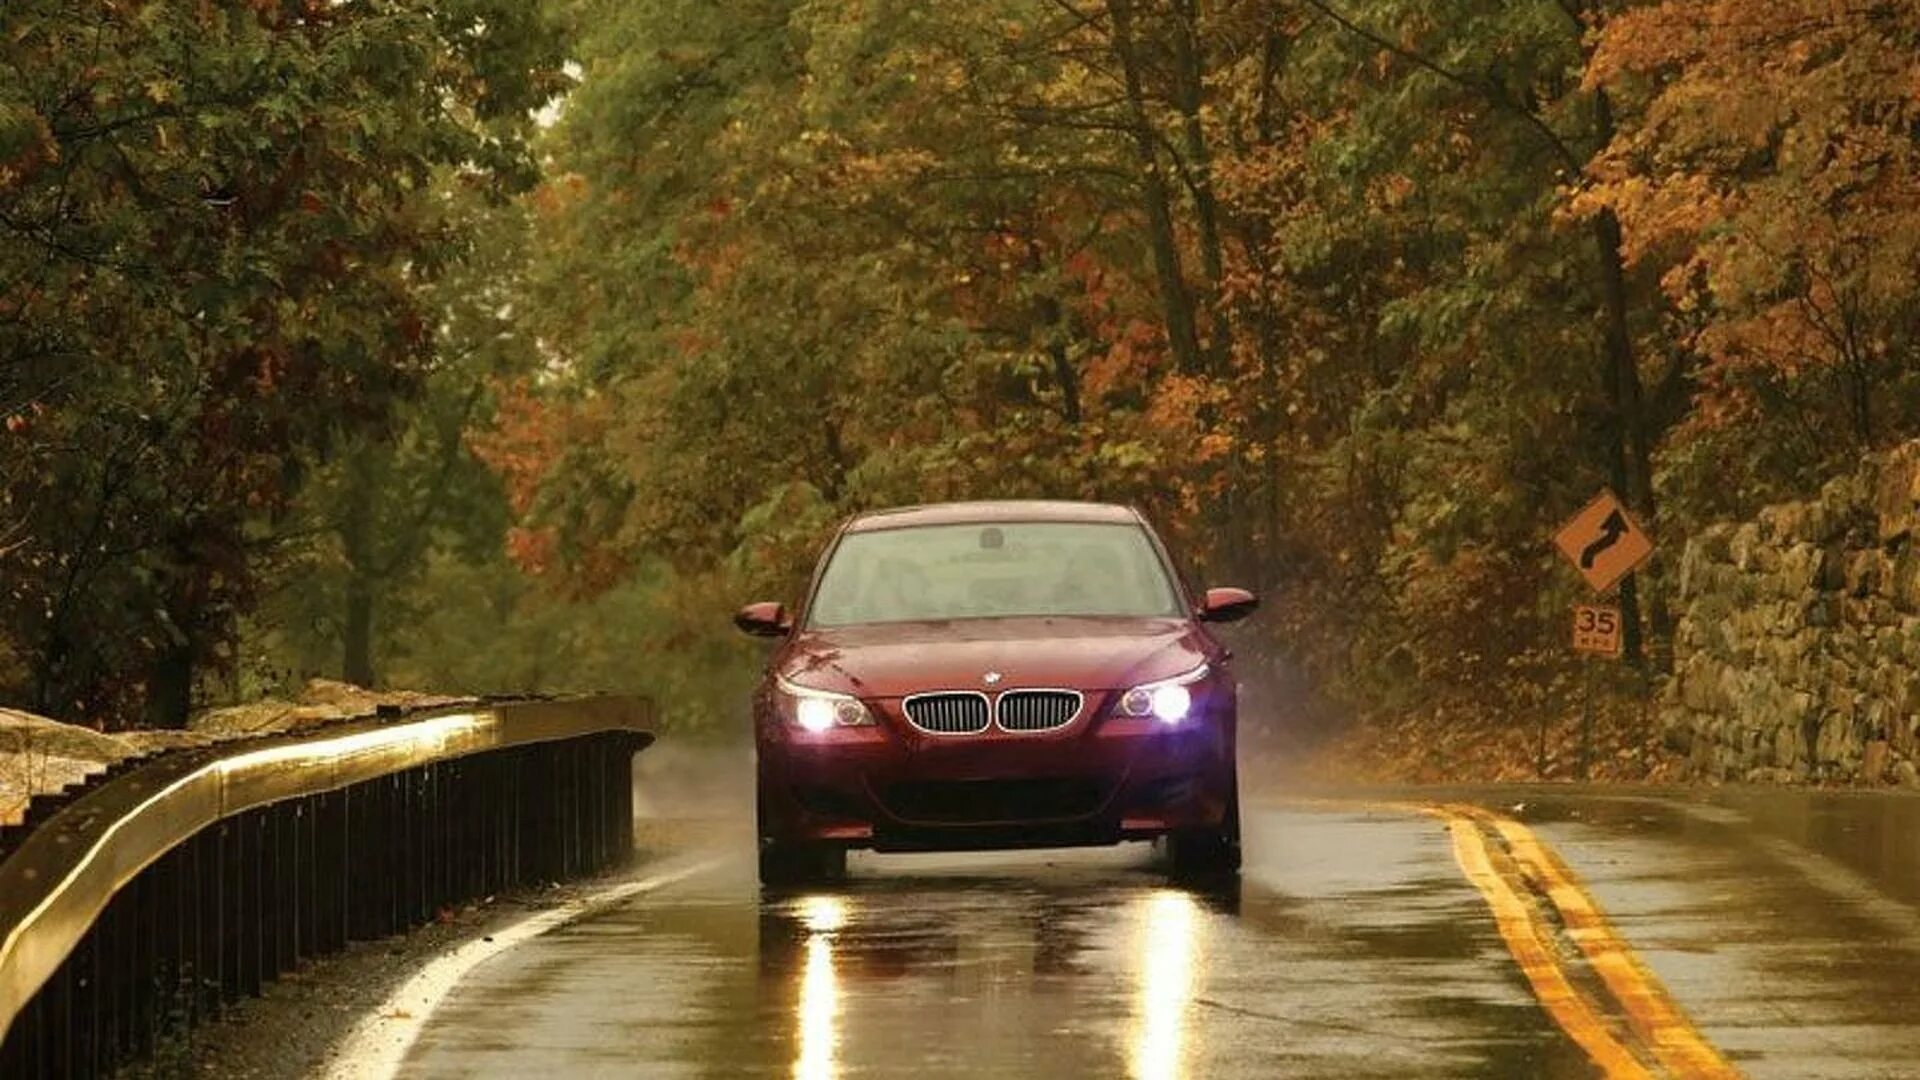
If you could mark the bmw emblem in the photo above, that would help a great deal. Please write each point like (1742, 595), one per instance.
(991, 678)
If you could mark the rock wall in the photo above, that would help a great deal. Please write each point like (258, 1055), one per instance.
(1797, 642)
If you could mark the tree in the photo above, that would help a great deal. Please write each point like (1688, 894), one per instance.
(1768, 179)
(217, 230)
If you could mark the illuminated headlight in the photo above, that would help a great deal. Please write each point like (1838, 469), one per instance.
(817, 710)
(1168, 701)
(1171, 703)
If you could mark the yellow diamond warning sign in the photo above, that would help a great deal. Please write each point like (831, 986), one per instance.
(1603, 542)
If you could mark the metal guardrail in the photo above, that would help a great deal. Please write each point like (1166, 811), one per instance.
(173, 887)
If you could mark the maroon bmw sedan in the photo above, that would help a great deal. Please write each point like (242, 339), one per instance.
(996, 675)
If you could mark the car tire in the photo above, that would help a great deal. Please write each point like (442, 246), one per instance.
(1205, 853)
(800, 864)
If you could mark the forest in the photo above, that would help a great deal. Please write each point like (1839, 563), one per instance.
(497, 345)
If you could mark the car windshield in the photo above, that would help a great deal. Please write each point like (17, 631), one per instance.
(993, 571)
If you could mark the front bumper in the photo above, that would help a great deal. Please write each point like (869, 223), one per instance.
(893, 788)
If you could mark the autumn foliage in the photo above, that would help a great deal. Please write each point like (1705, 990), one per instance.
(1359, 298)
(215, 236)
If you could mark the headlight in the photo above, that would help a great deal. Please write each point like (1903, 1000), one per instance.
(817, 710)
(1169, 700)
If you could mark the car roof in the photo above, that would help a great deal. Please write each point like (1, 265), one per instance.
(1006, 510)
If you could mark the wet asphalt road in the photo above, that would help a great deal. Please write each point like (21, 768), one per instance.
(1783, 923)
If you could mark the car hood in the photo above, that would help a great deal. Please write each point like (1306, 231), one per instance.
(895, 659)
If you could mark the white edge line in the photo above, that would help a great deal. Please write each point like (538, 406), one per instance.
(377, 1046)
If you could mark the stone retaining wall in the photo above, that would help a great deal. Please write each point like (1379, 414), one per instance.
(1797, 642)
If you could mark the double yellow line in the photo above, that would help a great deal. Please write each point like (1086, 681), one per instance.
(1528, 865)
(1520, 876)
(1533, 950)
(1652, 1014)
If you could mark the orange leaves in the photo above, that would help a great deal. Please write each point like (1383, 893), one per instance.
(526, 441)
(558, 194)
(1140, 347)
(532, 447)
(269, 371)
(1666, 212)
(534, 551)
(1214, 446)
(1767, 171)
(1176, 403)
(1390, 191)
(1688, 33)
(1645, 39)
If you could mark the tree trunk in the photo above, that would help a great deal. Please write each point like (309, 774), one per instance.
(1630, 454)
(834, 478)
(357, 664)
(1189, 93)
(48, 668)
(1182, 336)
(1050, 315)
(170, 687)
(357, 542)
(1613, 379)
(1063, 373)
(1271, 416)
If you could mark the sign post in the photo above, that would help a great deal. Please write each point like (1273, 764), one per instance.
(1604, 544)
(1596, 632)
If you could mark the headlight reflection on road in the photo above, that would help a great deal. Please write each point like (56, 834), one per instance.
(819, 1010)
(1168, 929)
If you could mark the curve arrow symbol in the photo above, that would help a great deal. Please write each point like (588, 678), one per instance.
(1611, 530)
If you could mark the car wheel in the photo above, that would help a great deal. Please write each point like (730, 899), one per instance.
(1202, 853)
(1198, 853)
(795, 863)
(800, 864)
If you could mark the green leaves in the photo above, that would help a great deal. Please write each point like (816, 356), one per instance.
(1332, 288)
(216, 232)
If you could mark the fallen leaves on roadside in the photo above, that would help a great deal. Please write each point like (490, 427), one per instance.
(1622, 746)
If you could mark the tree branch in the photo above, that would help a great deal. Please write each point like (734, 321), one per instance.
(1490, 92)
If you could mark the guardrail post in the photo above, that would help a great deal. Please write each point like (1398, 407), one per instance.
(356, 858)
(305, 855)
(271, 913)
(513, 809)
(392, 837)
(287, 912)
(408, 855)
(148, 934)
(253, 924)
(113, 981)
(210, 959)
(316, 934)
(232, 912)
(536, 793)
(89, 1007)
(621, 804)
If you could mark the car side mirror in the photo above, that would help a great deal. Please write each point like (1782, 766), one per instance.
(1227, 605)
(764, 620)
